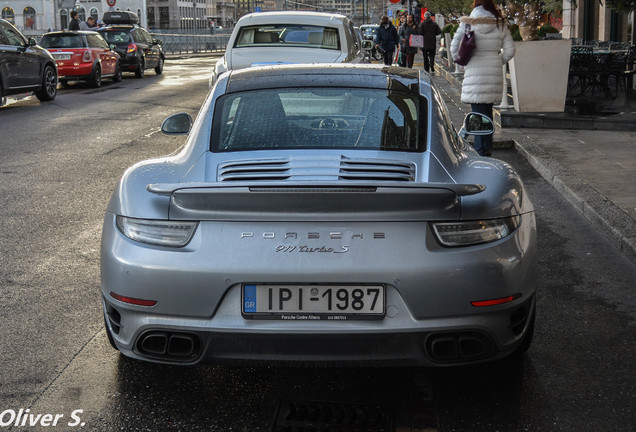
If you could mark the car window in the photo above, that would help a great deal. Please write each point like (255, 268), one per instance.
(3, 39)
(63, 41)
(13, 37)
(146, 36)
(96, 41)
(319, 118)
(115, 36)
(287, 35)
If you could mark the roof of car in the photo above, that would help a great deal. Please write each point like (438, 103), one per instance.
(296, 17)
(69, 33)
(324, 75)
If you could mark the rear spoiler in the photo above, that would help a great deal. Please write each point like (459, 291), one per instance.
(323, 202)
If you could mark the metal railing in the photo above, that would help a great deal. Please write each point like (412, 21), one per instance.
(192, 43)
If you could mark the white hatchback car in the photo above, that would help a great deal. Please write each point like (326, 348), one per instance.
(289, 37)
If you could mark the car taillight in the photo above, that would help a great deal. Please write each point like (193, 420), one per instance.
(132, 48)
(466, 233)
(87, 57)
(157, 232)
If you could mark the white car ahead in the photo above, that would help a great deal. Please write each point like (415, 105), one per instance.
(289, 37)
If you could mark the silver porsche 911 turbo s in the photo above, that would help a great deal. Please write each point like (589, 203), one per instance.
(320, 214)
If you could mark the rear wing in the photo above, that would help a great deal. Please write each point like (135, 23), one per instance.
(324, 202)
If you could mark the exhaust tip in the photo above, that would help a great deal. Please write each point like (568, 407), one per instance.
(169, 346)
(458, 347)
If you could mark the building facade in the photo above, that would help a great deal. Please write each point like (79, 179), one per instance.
(590, 20)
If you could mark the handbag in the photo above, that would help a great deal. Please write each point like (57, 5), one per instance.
(402, 59)
(416, 41)
(466, 47)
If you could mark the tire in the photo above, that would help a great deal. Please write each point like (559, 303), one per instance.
(141, 69)
(96, 81)
(48, 91)
(159, 68)
(118, 73)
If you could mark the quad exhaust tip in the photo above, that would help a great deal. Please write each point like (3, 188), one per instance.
(458, 347)
(173, 346)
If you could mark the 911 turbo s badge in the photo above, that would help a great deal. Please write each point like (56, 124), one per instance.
(321, 249)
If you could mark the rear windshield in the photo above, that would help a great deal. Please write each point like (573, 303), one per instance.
(115, 36)
(320, 118)
(63, 41)
(288, 35)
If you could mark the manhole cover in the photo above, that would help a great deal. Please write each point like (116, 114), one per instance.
(331, 417)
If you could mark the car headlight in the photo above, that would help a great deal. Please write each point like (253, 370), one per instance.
(157, 232)
(474, 232)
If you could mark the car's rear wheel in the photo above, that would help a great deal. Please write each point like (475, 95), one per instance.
(97, 77)
(118, 73)
(141, 69)
(48, 91)
(159, 67)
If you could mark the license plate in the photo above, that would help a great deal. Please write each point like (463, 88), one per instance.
(62, 56)
(311, 302)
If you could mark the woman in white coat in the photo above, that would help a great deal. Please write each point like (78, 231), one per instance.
(483, 75)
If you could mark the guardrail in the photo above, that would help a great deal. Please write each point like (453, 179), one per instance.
(187, 44)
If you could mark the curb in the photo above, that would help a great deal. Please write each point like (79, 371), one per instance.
(615, 225)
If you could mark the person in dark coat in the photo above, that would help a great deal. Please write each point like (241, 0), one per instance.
(406, 30)
(73, 25)
(386, 39)
(429, 29)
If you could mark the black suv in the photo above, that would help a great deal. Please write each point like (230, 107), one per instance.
(25, 66)
(136, 47)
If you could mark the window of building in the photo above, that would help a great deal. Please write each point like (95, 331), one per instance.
(81, 12)
(164, 17)
(29, 16)
(8, 14)
(94, 13)
(63, 19)
(151, 17)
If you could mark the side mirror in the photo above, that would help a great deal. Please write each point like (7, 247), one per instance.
(477, 124)
(32, 42)
(112, 47)
(157, 42)
(177, 124)
(367, 45)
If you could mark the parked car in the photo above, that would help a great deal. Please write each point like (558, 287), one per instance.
(83, 56)
(320, 213)
(289, 37)
(138, 49)
(25, 66)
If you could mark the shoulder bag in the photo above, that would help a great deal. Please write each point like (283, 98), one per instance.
(466, 47)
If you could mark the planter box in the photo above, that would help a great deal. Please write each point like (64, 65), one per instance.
(539, 75)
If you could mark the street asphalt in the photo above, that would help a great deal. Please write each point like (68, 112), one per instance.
(594, 170)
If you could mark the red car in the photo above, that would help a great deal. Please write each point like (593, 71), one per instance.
(83, 56)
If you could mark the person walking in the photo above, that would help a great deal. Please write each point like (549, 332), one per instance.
(406, 30)
(386, 39)
(483, 75)
(429, 30)
(74, 24)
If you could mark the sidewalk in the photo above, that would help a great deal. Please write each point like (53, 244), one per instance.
(593, 170)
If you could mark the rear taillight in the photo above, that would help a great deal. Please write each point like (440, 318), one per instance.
(131, 48)
(87, 57)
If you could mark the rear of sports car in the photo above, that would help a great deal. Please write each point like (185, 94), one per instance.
(334, 250)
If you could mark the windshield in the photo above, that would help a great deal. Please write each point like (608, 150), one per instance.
(115, 36)
(63, 41)
(286, 35)
(319, 118)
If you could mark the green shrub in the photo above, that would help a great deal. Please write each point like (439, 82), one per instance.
(447, 28)
(545, 29)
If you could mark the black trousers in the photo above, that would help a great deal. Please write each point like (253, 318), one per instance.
(388, 57)
(429, 59)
